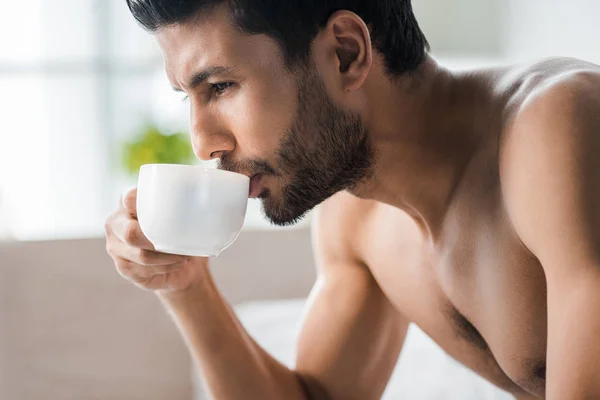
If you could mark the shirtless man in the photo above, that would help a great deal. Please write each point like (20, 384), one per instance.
(466, 203)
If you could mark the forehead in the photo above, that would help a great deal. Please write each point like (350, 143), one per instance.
(211, 40)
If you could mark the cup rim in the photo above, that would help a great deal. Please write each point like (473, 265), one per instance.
(194, 168)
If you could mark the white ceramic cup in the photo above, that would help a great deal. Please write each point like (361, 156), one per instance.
(190, 210)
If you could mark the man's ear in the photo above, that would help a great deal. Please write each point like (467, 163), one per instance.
(350, 39)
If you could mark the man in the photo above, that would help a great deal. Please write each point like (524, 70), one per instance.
(466, 203)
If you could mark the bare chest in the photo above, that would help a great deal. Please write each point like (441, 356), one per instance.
(479, 293)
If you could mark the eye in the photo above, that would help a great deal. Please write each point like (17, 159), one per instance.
(219, 89)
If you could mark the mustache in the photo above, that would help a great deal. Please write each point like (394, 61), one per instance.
(248, 167)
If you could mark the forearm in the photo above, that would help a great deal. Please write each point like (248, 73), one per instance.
(232, 364)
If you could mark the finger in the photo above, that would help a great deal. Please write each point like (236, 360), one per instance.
(144, 256)
(129, 202)
(129, 242)
(140, 273)
(154, 258)
(128, 231)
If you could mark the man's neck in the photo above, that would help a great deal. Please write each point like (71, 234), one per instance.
(425, 130)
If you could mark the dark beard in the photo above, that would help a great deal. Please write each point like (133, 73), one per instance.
(324, 152)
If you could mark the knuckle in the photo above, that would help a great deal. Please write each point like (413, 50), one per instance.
(143, 285)
(129, 199)
(128, 271)
(131, 235)
(141, 282)
(108, 224)
(109, 248)
(124, 268)
(147, 257)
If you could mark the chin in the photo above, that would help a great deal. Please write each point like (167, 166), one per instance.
(280, 215)
(283, 220)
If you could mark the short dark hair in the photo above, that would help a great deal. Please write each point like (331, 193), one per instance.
(295, 23)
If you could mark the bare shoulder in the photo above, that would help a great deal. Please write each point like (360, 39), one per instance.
(338, 224)
(555, 79)
(353, 230)
(552, 136)
(557, 107)
(564, 83)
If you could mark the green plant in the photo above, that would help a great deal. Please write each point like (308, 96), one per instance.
(152, 146)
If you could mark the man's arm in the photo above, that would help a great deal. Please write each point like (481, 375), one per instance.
(352, 334)
(551, 177)
(347, 348)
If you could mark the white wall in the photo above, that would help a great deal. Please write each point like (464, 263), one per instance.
(465, 27)
(518, 30)
(539, 28)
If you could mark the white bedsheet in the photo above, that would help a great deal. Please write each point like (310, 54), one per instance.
(424, 371)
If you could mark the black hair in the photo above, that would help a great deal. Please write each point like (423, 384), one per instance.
(295, 23)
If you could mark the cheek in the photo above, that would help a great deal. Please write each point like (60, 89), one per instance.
(259, 115)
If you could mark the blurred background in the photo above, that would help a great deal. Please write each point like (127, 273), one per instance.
(78, 79)
(83, 101)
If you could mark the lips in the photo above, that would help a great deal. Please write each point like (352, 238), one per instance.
(256, 186)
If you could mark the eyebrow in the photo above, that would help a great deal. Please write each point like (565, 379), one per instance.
(200, 77)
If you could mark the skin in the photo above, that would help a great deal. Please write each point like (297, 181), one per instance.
(478, 222)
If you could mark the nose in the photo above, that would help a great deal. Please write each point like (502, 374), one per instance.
(210, 140)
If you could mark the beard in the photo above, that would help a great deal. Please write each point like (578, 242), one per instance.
(325, 151)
